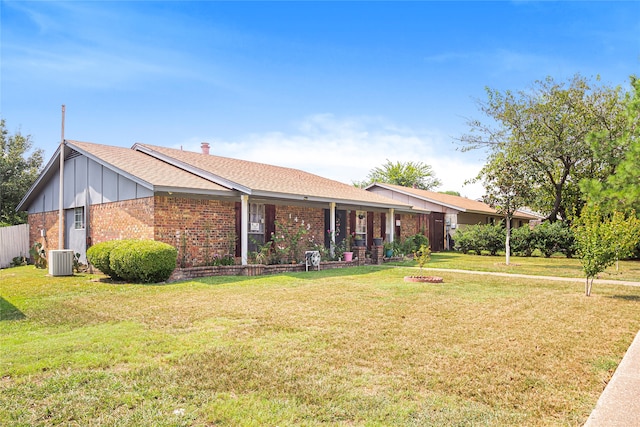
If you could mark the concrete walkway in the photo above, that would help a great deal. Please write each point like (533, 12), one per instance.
(529, 276)
(619, 403)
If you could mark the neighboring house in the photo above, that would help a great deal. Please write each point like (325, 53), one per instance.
(204, 205)
(448, 212)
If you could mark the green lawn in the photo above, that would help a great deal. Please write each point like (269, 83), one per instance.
(347, 347)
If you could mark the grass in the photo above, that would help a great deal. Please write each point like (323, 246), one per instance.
(537, 266)
(344, 347)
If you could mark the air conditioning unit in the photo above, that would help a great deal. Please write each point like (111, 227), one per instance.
(61, 262)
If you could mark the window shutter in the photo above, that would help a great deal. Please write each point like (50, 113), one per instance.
(269, 222)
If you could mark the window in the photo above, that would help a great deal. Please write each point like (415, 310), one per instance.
(79, 218)
(256, 226)
(256, 218)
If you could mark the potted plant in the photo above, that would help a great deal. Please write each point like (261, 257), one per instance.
(358, 240)
(388, 249)
(377, 241)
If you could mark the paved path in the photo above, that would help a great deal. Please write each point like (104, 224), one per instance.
(619, 403)
(528, 276)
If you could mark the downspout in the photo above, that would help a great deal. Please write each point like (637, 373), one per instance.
(244, 228)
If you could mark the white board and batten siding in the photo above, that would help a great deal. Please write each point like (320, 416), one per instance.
(14, 242)
(87, 182)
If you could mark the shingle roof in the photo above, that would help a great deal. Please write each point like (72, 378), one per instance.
(456, 202)
(151, 170)
(267, 179)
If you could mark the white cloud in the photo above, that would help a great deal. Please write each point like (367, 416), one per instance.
(346, 149)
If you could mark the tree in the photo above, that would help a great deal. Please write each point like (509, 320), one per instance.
(408, 174)
(602, 240)
(621, 189)
(450, 192)
(547, 129)
(506, 188)
(17, 173)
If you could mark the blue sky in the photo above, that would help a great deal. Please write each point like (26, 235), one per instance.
(333, 88)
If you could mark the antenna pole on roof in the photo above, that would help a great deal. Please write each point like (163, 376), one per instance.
(61, 193)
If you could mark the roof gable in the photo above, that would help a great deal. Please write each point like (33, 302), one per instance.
(456, 202)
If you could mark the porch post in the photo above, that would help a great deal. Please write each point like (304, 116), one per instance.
(244, 227)
(392, 224)
(332, 227)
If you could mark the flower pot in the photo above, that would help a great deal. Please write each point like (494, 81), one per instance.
(359, 243)
(388, 253)
(348, 256)
(377, 241)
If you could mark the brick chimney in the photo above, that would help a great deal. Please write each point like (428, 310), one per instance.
(205, 147)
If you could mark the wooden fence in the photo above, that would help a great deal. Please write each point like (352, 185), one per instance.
(14, 242)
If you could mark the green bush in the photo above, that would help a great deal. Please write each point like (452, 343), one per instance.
(522, 241)
(492, 238)
(550, 238)
(480, 237)
(139, 261)
(143, 261)
(410, 244)
(98, 255)
(464, 239)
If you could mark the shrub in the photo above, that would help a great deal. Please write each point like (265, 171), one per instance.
(550, 238)
(491, 238)
(38, 255)
(18, 261)
(99, 256)
(140, 261)
(465, 239)
(522, 241)
(143, 261)
(480, 237)
(422, 256)
(410, 244)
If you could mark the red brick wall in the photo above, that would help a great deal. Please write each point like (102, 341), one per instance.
(199, 228)
(128, 219)
(377, 225)
(47, 221)
(311, 219)
(408, 226)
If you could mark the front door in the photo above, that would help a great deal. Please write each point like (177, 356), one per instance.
(76, 234)
(436, 231)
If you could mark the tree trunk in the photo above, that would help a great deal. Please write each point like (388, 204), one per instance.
(507, 243)
(588, 286)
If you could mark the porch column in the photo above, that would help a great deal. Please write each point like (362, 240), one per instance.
(392, 224)
(332, 227)
(244, 227)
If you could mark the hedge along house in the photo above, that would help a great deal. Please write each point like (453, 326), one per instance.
(202, 204)
(447, 212)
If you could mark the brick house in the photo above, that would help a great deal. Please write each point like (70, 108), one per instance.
(202, 204)
(447, 212)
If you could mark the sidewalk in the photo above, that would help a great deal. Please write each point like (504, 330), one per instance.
(619, 404)
(528, 276)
